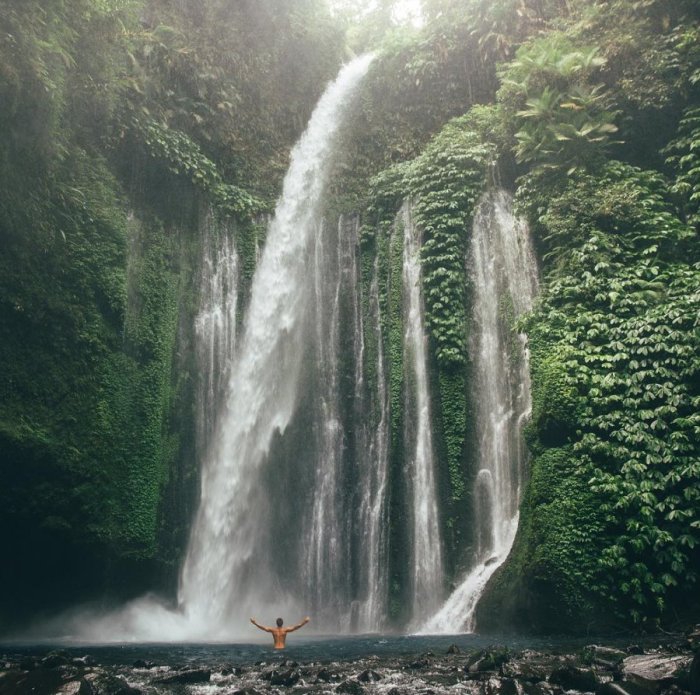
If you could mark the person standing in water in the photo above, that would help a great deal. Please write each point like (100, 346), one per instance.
(279, 633)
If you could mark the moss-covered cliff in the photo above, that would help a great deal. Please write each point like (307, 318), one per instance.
(123, 124)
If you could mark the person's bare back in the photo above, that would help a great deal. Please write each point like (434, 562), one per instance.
(279, 633)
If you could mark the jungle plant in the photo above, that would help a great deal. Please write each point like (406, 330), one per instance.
(561, 119)
(684, 156)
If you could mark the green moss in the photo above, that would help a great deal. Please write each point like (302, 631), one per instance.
(454, 421)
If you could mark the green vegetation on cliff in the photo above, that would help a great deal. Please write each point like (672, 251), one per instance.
(595, 125)
(124, 122)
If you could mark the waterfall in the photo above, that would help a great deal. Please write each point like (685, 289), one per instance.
(343, 573)
(231, 566)
(328, 538)
(373, 521)
(426, 570)
(505, 284)
(215, 326)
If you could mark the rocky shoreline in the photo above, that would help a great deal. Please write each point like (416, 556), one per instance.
(671, 669)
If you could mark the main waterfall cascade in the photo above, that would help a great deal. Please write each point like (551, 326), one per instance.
(426, 545)
(505, 284)
(238, 555)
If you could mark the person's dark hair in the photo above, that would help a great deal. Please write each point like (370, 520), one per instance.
(279, 622)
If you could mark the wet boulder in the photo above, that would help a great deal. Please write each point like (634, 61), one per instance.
(572, 677)
(531, 667)
(77, 687)
(350, 688)
(491, 686)
(286, 677)
(491, 659)
(267, 672)
(453, 649)
(55, 659)
(613, 688)
(324, 675)
(418, 664)
(484, 663)
(608, 657)
(106, 684)
(369, 676)
(648, 674)
(143, 663)
(194, 675)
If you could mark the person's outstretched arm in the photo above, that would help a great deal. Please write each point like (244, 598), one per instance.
(301, 624)
(262, 627)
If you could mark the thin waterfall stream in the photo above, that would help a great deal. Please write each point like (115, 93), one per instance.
(215, 327)
(505, 284)
(427, 574)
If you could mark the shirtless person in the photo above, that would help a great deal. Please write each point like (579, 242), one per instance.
(279, 633)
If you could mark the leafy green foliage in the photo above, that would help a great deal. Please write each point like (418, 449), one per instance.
(446, 181)
(684, 156)
(184, 156)
(123, 122)
(444, 184)
(566, 121)
(616, 336)
(238, 79)
(72, 400)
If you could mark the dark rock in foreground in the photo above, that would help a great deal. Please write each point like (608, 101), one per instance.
(571, 677)
(197, 675)
(287, 677)
(350, 688)
(649, 674)
(369, 676)
(326, 676)
(493, 670)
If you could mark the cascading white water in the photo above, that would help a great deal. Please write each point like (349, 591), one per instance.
(229, 568)
(287, 356)
(505, 285)
(343, 576)
(327, 561)
(215, 326)
(373, 580)
(426, 545)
